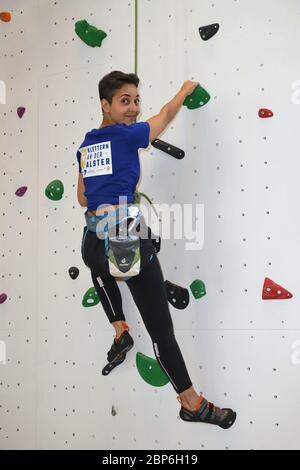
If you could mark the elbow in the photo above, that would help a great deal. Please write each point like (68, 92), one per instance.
(82, 200)
(83, 203)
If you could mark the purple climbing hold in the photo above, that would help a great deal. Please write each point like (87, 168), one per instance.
(3, 298)
(21, 111)
(21, 191)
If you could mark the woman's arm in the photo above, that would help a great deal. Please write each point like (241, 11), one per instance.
(80, 191)
(159, 122)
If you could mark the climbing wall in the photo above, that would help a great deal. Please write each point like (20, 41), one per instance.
(238, 348)
(239, 169)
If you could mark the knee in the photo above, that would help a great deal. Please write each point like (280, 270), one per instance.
(101, 281)
(165, 337)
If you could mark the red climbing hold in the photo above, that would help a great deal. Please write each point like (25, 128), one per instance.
(265, 113)
(21, 191)
(5, 16)
(272, 291)
(3, 298)
(21, 111)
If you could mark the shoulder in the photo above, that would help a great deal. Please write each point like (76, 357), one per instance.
(136, 130)
(138, 134)
(137, 126)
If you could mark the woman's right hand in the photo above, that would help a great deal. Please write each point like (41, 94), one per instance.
(188, 87)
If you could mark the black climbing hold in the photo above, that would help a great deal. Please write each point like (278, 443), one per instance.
(168, 148)
(74, 272)
(207, 32)
(178, 296)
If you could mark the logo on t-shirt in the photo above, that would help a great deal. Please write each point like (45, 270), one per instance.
(96, 160)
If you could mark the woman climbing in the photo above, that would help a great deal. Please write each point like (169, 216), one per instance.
(109, 170)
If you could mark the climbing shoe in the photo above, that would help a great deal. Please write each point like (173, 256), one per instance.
(207, 412)
(117, 353)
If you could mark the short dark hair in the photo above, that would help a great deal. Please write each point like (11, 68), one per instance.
(114, 81)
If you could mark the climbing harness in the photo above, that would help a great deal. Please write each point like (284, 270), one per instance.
(121, 231)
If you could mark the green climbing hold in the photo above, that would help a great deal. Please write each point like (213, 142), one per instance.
(150, 370)
(90, 298)
(198, 289)
(197, 99)
(89, 34)
(55, 190)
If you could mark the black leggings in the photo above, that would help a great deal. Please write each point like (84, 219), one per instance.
(149, 294)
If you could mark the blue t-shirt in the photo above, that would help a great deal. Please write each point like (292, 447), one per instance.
(109, 162)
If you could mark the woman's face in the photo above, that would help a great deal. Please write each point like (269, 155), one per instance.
(125, 106)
